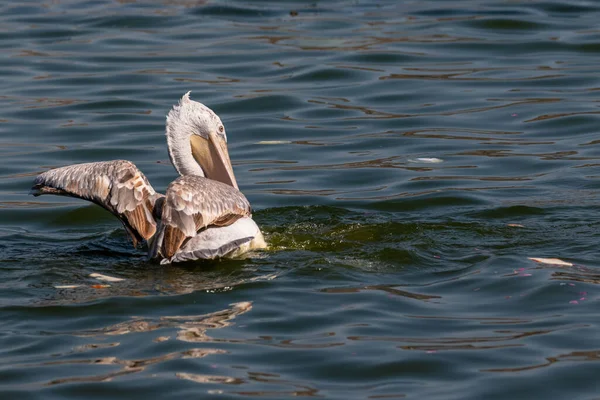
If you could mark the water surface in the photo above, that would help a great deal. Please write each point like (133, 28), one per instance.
(405, 159)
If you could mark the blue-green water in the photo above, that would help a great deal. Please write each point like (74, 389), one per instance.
(404, 160)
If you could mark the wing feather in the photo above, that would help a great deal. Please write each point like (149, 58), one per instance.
(118, 186)
(193, 203)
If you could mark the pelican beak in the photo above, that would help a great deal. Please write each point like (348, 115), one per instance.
(212, 155)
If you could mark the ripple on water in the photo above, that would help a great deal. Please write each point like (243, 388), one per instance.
(405, 161)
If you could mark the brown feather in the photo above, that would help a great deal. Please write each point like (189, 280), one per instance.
(227, 219)
(199, 221)
(118, 186)
(137, 219)
(193, 203)
(172, 241)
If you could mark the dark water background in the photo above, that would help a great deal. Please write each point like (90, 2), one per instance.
(387, 148)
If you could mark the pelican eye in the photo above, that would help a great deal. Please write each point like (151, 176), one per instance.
(221, 128)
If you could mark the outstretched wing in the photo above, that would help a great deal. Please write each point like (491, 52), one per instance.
(193, 203)
(117, 185)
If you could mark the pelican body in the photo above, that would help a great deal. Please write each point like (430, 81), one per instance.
(202, 215)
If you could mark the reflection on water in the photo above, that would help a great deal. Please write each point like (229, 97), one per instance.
(190, 329)
(178, 281)
(127, 366)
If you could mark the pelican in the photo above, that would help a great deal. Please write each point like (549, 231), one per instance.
(202, 215)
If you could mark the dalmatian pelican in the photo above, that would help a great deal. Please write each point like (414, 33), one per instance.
(202, 215)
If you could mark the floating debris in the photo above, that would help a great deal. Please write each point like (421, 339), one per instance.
(551, 261)
(66, 286)
(426, 160)
(99, 286)
(516, 225)
(105, 278)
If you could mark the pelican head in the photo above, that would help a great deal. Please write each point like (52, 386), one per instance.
(197, 142)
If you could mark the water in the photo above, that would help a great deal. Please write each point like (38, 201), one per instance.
(405, 159)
